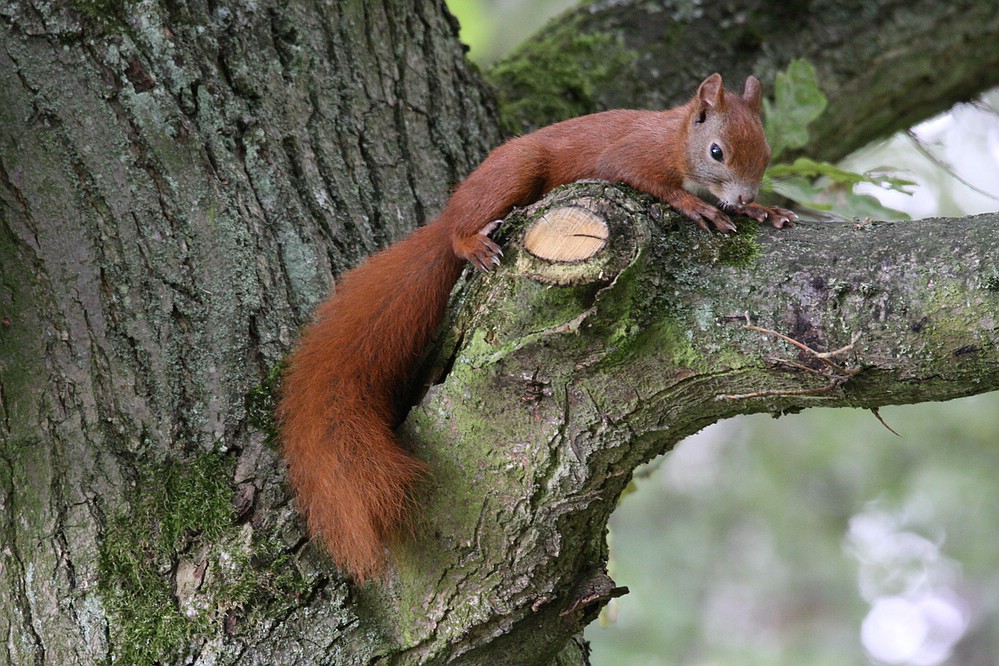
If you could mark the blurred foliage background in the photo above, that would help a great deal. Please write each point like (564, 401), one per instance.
(820, 539)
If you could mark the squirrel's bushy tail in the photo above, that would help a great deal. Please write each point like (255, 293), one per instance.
(345, 387)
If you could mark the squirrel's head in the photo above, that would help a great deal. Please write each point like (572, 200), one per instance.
(727, 151)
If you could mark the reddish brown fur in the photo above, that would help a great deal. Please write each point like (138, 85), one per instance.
(351, 373)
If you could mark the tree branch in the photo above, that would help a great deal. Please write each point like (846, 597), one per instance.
(885, 65)
(562, 387)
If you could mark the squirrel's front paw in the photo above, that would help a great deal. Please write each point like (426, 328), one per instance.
(480, 250)
(720, 220)
(699, 211)
(778, 217)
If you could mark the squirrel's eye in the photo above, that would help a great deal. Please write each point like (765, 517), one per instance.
(716, 153)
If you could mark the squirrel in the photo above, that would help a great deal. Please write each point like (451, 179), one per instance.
(348, 383)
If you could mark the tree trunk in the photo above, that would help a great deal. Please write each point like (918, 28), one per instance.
(178, 184)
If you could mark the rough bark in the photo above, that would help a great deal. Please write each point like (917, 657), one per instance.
(178, 184)
(884, 64)
(562, 385)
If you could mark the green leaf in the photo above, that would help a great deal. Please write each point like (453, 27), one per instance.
(812, 169)
(821, 186)
(801, 190)
(798, 101)
(837, 197)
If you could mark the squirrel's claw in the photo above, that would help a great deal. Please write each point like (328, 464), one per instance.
(775, 215)
(480, 250)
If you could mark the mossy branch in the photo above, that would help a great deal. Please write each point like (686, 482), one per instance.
(563, 386)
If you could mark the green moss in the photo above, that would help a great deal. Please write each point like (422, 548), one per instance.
(262, 582)
(261, 402)
(647, 323)
(672, 339)
(557, 76)
(989, 279)
(108, 13)
(740, 249)
(664, 344)
(21, 346)
(172, 505)
(181, 516)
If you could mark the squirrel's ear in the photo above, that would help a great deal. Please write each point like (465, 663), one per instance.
(752, 94)
(711, 94)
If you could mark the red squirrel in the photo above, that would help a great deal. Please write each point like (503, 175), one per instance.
(348, 382)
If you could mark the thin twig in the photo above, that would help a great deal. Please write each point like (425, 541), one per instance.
(946, 167)
(877, 415)
(837, 374)
(822, 356)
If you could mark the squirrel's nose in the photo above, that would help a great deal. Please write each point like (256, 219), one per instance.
(746, 198)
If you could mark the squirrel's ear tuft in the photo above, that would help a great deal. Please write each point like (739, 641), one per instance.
(711, 94)
(752, 94)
